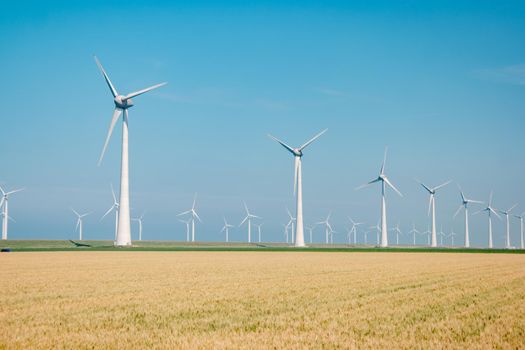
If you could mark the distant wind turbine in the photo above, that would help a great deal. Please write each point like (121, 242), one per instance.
(139, 220)
(310, 230)
(194, 215)
(507, 236)
(248, 219)
(291, 223)
(353, 230)
(384, 180)
(79, 222)
(413, 231)
(327, 225)
(490, 210)
(520, 217)
(4, 203)
(226, 229)
(398, 232)
(298, 185)
(452, 235)
(259, 231)
(432, 207)
(115, 206)
(122, 103)
(464, 204)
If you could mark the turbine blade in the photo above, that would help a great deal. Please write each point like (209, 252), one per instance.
(425, 187)
(392, 186)
(110, 85)
(457, 211)
(15, 191)
(194, 201)
(367, 184)
(116, 115)
(140, 92)
(109, 211)
(514, 206)
(196, 215)
(312, 139)
(495, 213)
(74, 211)
(382, 171)
(442, 185)
(242, 222)
(290, 149)
(113, 193)
(184, 213)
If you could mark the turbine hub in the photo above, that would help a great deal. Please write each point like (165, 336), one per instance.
(121, 103)
(298, 152)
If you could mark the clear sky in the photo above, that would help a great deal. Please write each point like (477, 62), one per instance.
(441, 83)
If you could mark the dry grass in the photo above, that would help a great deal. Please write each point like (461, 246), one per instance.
(261, 300)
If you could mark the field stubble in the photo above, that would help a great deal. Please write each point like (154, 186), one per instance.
(261, 300)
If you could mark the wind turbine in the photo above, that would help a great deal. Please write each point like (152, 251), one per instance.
(464, 204)
(327, 225)
(398, 232)
(139, 220)
(259, 231)
(4, 203)
(413, 231)
(122, 103)
(432, 206)
(310, 229)
(427, 233)
(286, 232)
(115, 207)
(441, 235)
(298, 184)
(520, 217)
(451, 235)
(354, 228)
(187, 222)
(194, 216)
(490, 210)
(384, 180)
(226, 229)
(79, 222)
(291, 223)
(507, 213)
(248, 219)
(378, 230)
(366, 236)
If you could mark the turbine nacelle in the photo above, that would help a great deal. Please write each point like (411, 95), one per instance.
(123, 103)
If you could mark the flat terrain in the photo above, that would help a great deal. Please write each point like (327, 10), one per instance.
(230, 300)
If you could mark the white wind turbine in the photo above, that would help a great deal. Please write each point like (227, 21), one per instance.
(490, 210)
(464, 204)
(397, 231)
(378, 230)
(353, 230)
(520, 217)
(226, 229)
(286, 232)
(122, 103)
(427, 233)
(441, 235)
(432, 207)
(298, 185)
(4, 203)
(327, 225)
(248, 219)
(310, 229)
(115, 206)
(187, 223)
(259, 231)
(366, 236)
(413, 231)
(291, 223)
(139, 220)
(507, 213)
(79, 222)
(384, 181)
(194, 216)
(452, 235)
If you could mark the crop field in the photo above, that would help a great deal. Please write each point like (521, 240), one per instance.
(203, 300)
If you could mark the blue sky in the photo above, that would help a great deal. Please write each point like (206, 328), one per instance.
(441, 83)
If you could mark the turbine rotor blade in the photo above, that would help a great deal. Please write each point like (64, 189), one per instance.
(140, 92)
(442, 185)
(312, 139)
(392, 186)
(382, 171)
(290, 149)
(116, 115)
(110, 85)
(457, 211)
(109, 211)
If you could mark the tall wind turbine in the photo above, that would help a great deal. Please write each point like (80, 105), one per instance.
(139, 220)
(413, 231)
(507, 213)
(291, 223)
(490, 210)
(464, 204)
(353, 230)
(79, 222)
(520, 217)
(432, 207)
(4, 203)
(259, 231)
(194, 216)
(226, 229)
(115, 206)
(298, 185)
(187, 223)
(327, 225)
(384, 181)
(122, 103)
(248, 219)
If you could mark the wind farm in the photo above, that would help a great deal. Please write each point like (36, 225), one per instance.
(178, 224)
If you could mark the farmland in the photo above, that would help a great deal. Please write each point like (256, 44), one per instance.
(203, 299)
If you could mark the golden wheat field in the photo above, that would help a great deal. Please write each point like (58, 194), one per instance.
(225, 300)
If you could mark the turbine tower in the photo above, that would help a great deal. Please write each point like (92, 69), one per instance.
(115, 206)
(79, 223)
(327, 225)
(298, 185)
(4, 203)
(139, 220)
(226, 229)
(397, 231)
(353, 230)
(464, 204)
(490, 210)
(194, 216)
(413, 231)
(384, 181)
(248, 219)
(507, 213)
(432, 207)
(310, 230)
(520, 217)
(259, 231)
(452, 235)
(122, 103)
(291, 223)
(187, 222)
